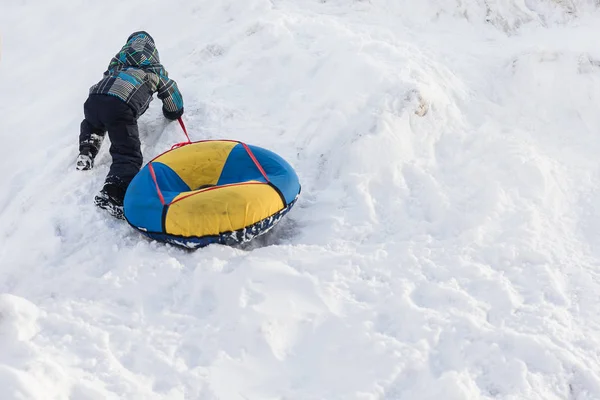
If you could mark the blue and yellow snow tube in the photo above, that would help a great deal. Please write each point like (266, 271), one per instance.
(214, 191)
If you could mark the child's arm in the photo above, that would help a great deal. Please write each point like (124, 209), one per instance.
(170, 95)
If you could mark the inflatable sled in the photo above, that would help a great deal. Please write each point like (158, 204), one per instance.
(213, 191)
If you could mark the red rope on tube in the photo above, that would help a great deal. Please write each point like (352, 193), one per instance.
(260, 168)
(160, 195)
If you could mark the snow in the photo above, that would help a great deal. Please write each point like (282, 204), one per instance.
(445, 244)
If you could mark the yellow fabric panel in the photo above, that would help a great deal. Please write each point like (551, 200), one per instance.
(198, 164)
(228, 208)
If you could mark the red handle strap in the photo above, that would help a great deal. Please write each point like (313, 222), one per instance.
(186, 135)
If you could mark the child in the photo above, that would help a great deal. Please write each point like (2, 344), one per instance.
(114, 105)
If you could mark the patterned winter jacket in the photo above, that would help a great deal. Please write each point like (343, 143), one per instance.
(135, 74)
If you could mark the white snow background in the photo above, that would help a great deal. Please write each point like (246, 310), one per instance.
(446, 244)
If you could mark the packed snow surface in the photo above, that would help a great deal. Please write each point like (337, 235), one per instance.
(446, 244)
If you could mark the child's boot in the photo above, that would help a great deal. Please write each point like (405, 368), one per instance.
(110, 199)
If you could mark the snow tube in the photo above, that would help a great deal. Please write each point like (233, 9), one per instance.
(212, 191)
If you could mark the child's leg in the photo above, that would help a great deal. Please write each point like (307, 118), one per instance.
(89, 145)
(91, 135)
(127, 161)
(90, 139)
(125, 149)
(127, 158)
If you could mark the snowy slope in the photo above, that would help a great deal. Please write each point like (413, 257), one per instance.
(445, 245)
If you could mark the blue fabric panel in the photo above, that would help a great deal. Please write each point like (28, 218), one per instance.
(280, 173)
(142, 206)
(169, 182)
(239, 167)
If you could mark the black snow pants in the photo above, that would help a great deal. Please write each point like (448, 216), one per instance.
(109, 113)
